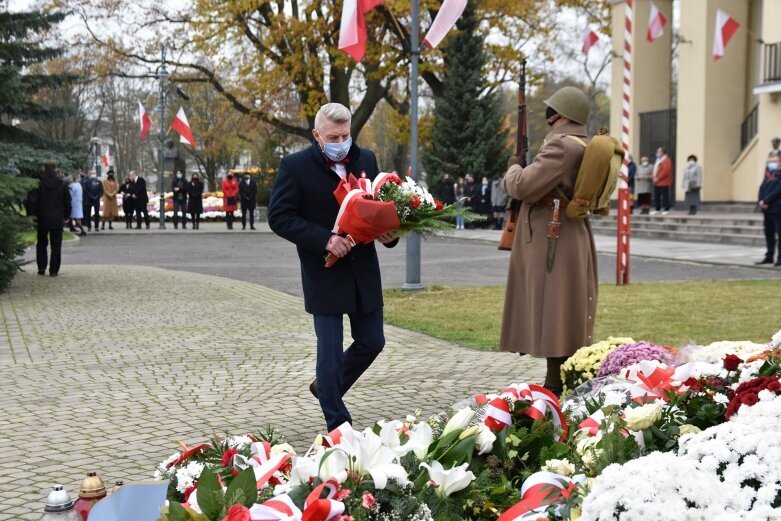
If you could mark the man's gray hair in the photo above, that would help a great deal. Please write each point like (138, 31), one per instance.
(333, 112)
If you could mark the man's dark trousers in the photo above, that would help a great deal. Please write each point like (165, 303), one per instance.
(662, 198)
(247, 208)
(338, 370)
(180, 206)
(41, 254)
(772, 225)
(142, 211)
(89, 216)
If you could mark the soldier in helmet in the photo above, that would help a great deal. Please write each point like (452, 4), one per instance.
(551, 294)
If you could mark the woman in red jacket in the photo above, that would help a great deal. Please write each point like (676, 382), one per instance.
(230, 198)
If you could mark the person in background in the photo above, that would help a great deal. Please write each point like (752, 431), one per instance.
(631, 172)
(484, 198)
(127, 201)
(776, 144)
(459, 193)
(230, 198)
(195, 197)
(110, 191)
(692, 182)
(445, 190)
(51, 206)
(93, 193)
(77, 207)
(663, 179)
(140, 199)
(644, 185)
(769, 202)
(179, 188)
(472, 193)
(498, 202)
(248, 192)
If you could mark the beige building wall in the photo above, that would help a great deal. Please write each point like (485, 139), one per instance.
(711, 94)
(651, 87)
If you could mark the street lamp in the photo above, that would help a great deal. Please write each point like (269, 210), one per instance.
(162, 76)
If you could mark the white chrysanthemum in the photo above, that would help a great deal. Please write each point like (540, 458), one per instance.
(239, 442)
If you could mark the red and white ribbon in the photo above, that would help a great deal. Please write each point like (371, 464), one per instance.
(280, 508)
(542, 402)
(593, 423)
(539, 491)
(317, 508)
(497, 414)
(651, 381)
(264, 466)
(334, 438)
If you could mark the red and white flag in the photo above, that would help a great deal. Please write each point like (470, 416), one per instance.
(446, 18)
(181, 125)
(725, 29)
(656, 23)
(352, 31)
(589, 39)
(105, 158)
(144, 120)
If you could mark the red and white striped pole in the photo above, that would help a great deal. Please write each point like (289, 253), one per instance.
(624, 197)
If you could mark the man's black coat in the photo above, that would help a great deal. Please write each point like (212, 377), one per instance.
(52, 202)
(770, 192)
(303, 210)
(139, 190)
(248, 193)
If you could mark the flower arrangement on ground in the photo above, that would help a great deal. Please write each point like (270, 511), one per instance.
(628, 354)
(586, 362)
(684, 433)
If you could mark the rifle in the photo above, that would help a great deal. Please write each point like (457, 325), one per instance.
(521, 151)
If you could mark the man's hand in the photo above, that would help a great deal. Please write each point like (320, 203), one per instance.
(385, 238)
(763, 205)
(338, 246)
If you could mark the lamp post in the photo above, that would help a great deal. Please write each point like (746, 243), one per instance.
(162, 76)
(95, 144)
(413, 240)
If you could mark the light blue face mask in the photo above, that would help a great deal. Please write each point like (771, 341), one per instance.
(772, 166)
(337, 151)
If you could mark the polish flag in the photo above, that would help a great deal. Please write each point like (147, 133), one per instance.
(181, 125)
(589, 39)
(446, 18)
(352, 31)
(105, 158)
(144, 120)
(725, 29)
(656, 23)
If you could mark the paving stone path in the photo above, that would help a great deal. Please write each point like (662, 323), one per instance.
(104, 367)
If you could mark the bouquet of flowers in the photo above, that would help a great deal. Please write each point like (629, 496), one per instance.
(629, 354)
(586, 362)
(368, 209)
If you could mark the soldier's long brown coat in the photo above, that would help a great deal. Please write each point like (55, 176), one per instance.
(549, 314)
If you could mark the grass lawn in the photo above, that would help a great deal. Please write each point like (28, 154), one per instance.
(31, 236)
(672, 313)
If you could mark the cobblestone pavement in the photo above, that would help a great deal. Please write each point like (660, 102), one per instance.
(102, 369)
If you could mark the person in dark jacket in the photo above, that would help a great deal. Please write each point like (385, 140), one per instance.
(248, 191)
(769, 201)
(179, 188)
(445, 190)
(140, 199)
(52, 208)
(195, 198)
(303, 210)
(127, 202)
(93, 193)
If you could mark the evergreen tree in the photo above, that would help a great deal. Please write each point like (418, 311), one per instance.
(22, 153)
(467, 137)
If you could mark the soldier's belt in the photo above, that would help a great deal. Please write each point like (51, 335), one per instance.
(548, 201)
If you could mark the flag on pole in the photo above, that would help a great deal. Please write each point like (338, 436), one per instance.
(446, 18)
(144, 120)
(725, 29)
(656, 23)
(589, 39)
(105, 157)
(181, 125)
(352, 31)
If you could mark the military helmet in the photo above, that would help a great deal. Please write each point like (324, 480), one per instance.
(570, 102)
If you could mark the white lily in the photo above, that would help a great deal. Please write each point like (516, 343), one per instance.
(368, 455)
(331, 464)
(303, 468)
(449, 481)
(419, 439)
(485, 439)
(459, 420)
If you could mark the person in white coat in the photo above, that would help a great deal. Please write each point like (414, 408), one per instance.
(692, 182)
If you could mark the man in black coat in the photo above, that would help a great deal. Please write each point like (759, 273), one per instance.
(140, 199)
(303, 210)
(93, 193)
(51, 204)
(179, 189)
(769, 201)
(248, 191)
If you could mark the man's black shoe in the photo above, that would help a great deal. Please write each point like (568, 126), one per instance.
(252, 228)
(313, 389)
(777, 263)
(52, 274)
(764, 261)
(41, 272)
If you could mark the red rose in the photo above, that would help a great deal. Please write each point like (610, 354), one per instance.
(749, 399)
(237, 512)
(415, 202)
(438, 205)
(692, 383)
(481, 399)
(367, 501)
(774, 386)
(731, 362)
(227, 457)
